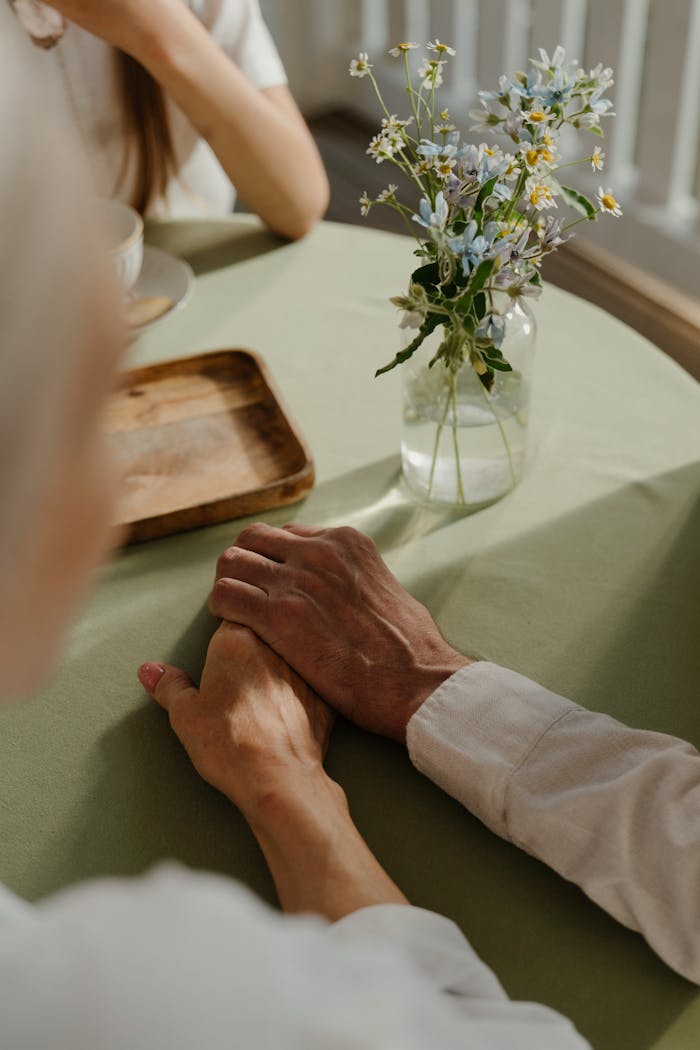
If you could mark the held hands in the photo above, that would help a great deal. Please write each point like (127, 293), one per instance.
(258, 733)
(253, 729)
(324, 600)
(337, 619)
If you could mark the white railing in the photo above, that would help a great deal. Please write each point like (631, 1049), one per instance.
(653, 146)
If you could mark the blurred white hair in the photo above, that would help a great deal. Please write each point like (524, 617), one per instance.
(43, 289)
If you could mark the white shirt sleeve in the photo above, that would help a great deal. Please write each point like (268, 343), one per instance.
(240, 30)
(613, 809)
(179, 960)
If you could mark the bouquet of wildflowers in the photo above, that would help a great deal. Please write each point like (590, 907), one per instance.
(487, 215)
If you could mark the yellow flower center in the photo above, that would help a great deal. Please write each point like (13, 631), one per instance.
(537, 116)
(532, 156)
(539, 193)
(608, 201)
(546, 156)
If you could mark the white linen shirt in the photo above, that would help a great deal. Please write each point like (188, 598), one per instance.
(87, 69)
(178, 960)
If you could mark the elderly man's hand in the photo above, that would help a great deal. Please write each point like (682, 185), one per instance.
(253, 729)
(324, 600)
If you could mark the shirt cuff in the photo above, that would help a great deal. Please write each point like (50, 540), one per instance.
(435, 945)
(476, 730)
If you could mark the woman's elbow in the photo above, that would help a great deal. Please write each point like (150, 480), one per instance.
(304, 214)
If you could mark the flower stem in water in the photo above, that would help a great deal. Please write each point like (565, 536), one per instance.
(489, 402)
(436, 446)
(455, 441)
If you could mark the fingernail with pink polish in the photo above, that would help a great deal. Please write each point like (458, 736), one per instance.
(150, 674)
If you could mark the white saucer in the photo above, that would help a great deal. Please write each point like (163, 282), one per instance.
(163, 274)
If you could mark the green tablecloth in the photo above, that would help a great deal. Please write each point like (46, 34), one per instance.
(586, 578)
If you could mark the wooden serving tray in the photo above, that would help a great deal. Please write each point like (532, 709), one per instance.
(201, 440)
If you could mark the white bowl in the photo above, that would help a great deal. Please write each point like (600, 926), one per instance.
(124, 228)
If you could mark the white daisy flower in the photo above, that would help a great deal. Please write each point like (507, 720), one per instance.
(440, 48)
(365, 204)
(430, 72)
(608, 203)
(360, 66)
(401, 49)
(597, 159)
(388, 194)
(540, 115)
(393, 123)
(382, 147)
(537, 157)
(539, 193)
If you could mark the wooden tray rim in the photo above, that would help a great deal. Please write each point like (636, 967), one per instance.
(307, 473)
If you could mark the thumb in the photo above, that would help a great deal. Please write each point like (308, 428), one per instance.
(167, 685)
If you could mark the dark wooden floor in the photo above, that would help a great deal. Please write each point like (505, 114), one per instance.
(342, 139)
(656, 310)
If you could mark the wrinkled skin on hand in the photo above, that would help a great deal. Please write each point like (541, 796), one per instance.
(253, 730)
(324, 600)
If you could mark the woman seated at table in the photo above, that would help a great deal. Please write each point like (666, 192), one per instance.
(180, 101)
(178, 960)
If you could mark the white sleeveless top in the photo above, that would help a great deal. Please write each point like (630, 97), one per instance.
(86, 68)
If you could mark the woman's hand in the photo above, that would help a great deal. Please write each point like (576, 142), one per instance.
(258, 733)
(326, 602)
(253, 729)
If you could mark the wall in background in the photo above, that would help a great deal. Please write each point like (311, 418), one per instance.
(653, 146)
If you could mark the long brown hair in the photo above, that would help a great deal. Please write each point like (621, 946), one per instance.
(147, 131)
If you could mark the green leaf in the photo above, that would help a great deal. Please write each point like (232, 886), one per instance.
(427, 276)
(480, 275)
(577, 201)
(499, 363)
(480, 306)
(536, 278)
(485, 192)
(477, 279)
(429, 325)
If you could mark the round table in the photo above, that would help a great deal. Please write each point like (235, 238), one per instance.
(586, 578)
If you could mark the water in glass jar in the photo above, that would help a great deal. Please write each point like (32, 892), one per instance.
(488, 467)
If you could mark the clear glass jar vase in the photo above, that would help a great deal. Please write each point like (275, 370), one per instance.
(462, 445)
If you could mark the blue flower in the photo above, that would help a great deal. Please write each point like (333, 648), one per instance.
(502, 192)
(429, 149)
(433, 220)
(520, 251)
(474, 247)
(529, 87)
(492, 329)
(601, 106)
(555, 93)
(460, 191)
(447, 153)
